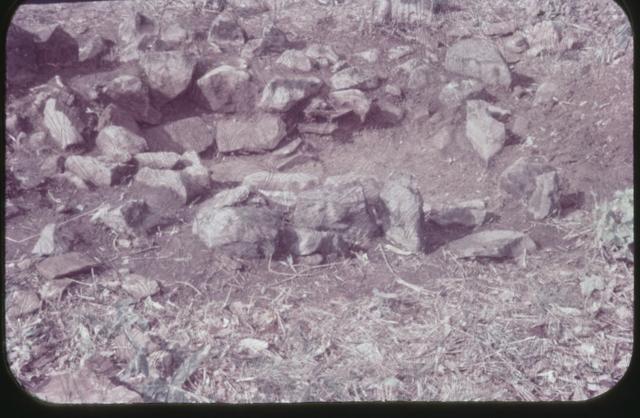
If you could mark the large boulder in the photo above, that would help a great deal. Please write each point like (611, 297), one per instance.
(119, 143)
(282, 93)
(246, 231)
(188, 134)
(168, 73)
(492, 244)
(260, 133)
(403, 206)
(486, 134)
(130, 93)
(479, 59)
(223, 87)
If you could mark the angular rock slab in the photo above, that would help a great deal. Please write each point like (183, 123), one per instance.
(64, 265)
(119, 143)
(187, 184)
(486, 134)
(188, 134)
(282, 93)
(519, 179)
(470, 214)
(130, 93)
(260, 133)
(97, 170)
(355, 78)
(246, 231)
(225, 30)
(292, 182)
(117, 116)
(479, 59)
(222, 87)
(323, 55)
(168, 72)
(160, 159)
(545, 199)
(124, 218)
(455, 93)
(353, 100)
(295, 60)
(63, 125)
(403, 204)
(492, 244)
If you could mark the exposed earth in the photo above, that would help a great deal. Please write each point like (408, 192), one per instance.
(291, 201)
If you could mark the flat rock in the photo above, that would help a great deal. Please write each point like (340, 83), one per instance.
(64, 265)
(479, 59)
(260, 133)
(223, 87)
(98, 171)
(370, 55)
(355, 78)
(226, 31)
(130, 93)
(161, 159)
(293, 182)
(492, 244)
(244, 231)
(119, 143)
(295, 60)
(455, 93)
(187, 184)
(188, 134)
(470, 213)
(486, 134)
(403, 204)
(282, 93)
(353, 100)
(62, 123)
(168, 72)
(273, 41)
(123, 219)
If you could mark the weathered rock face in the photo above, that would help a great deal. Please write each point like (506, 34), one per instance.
(119, 143)
(295, 60)
(535, 183)
(341, 209)
(352, 100)
(187, 184)
(456, 93)
(66, 265)
(261, 133)
(168, 72)
(323, 55)
(355, 78)
(282, 93)
(134, 27)
(230, 197)
(225, 30)
(63, 124)
(370, 55)
(188, 134)
(174, 35)
(381, 11)
(470, 214)
(516, 44)
(56, 47)
(486, 134)
(273, 41)
(546, 94)
(479, 59)
(245, 231)
(223, 86)
(248, 7)
(387, 113)
(403, 204)
(492, 244)
(305, 241)
(130, 93)
(400, 51)
(93, 49)
(97, 170)
(544, 38)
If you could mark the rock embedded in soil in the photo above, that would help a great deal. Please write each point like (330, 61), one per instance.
(352, 100)
(98, 171)
(168, 72)
(546, 94)
(305, 241)
(222, 87)
(56, 47)
(282, 93)
(231, 197)
(69, 264)
(188, 134)
(46, 244)
(516, 44)
(545, 199)
(131, 94)
(162, 159)
(292, 182)
(486, 134)
(355, 78)
(403, 206)
(119, 143)
(63, 124)
(260, 133)
(246, 231)
(479, 59)
(519, 179)
(226, 31)
(185, 184)
(455, 93)
(387, 114)
(122, 219)
(470, 214)
(295, 60)
(492, 244)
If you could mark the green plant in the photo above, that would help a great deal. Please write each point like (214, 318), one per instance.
(614, 225)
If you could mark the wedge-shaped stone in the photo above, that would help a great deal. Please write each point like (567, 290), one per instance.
(282, 93)
(493, 244)
(65, 265)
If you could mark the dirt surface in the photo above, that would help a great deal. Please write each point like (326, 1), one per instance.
(376, 325)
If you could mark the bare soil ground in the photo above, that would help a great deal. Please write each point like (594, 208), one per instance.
(379, 325)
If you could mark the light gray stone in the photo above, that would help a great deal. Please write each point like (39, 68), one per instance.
(282, 93)
(355, 78)
(544, 38)
(130, 93)
(62, 123)
(119, 143)
(168, 72)
(403, 204)
(260, 133)
(187, 184)
(353, 100)
(231, 197)
(223, 87)
(470, 214)
(294, 182)
(370, 55)
(486, 135)
(455, 93)
(160, 160)
(295, 60)
(399, 52)
(323, 55)
(98, 171)
(479, 59)
(226, 31)
(66, 265)
(544, 201)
